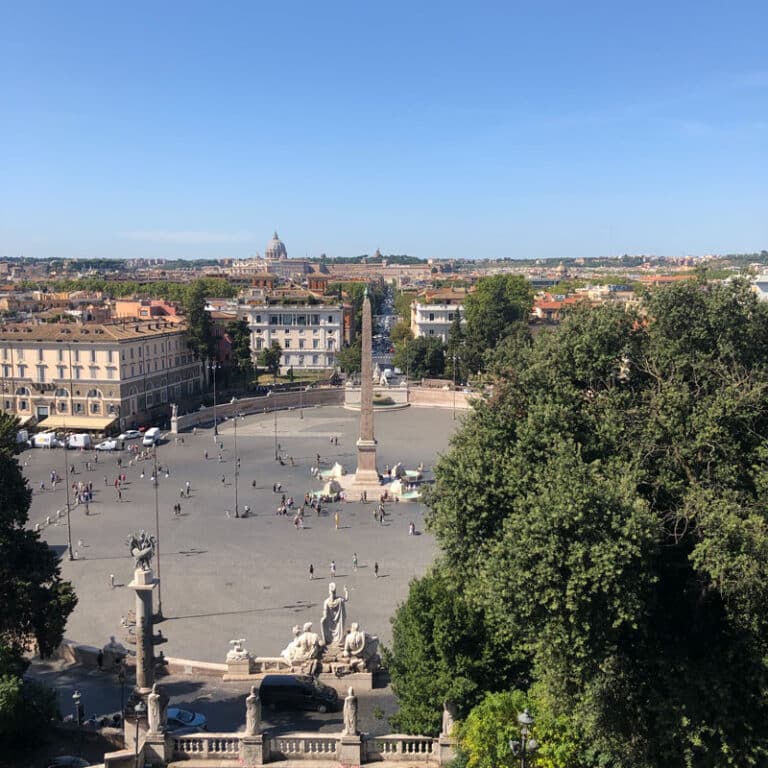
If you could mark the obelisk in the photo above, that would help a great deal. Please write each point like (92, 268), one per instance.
(366, 473)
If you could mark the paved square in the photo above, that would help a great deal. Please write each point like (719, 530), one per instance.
(224, 578)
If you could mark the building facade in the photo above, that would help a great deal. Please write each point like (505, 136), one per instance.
(309, 334)
(434, 319)
(95, 376)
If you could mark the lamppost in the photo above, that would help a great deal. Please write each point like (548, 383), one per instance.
(121, 680)
(139, 711)
(157, 539)
(237, 467)
(66, 488)
(454, 386)
(527, 745)
(274, 406)
(214, 366)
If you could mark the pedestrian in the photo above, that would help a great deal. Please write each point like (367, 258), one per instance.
(119, 495)
(354, 561)
(311, 572)
(411, 528)
(205, 455)
(222, 479)
(336, 519)
(142, 474)
(376, 569)
(290, 459)
(42, 486)
(187, 486)
(112, 580)
(100, 660)
(333, 569)
(106, 481)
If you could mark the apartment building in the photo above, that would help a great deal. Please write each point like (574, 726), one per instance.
(434, 313)
(310, 334)
(96, 376)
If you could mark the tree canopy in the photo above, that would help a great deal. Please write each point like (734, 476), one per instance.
(604, 513)
(270, 358)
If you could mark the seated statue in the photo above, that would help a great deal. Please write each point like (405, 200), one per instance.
(304, 649)
(290, 650)
(361, 650)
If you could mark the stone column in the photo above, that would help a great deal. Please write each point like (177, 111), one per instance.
(366, 445)
(144, 583)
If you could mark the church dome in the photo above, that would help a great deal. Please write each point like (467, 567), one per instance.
(276, 249)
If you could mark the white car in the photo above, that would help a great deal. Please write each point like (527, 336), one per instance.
(108, 445)
(131, 434)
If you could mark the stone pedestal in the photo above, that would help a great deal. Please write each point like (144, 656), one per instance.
(158, 748)
(143, 584)
(351, 750)
(240, 667)
(446, 749)
(252, 750)
(366, 473)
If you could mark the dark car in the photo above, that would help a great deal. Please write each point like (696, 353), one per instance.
(297, 692)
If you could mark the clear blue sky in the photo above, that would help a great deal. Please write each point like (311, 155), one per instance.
(485, 129)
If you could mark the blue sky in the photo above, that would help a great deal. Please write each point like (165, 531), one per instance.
(486, 129)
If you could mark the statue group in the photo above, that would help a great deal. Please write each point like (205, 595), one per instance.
(350, 650)
(142, 547)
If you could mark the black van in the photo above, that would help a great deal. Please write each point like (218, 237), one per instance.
(297, 692)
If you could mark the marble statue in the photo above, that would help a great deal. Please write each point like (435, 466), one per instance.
(304, 650)
(153, 710)
(334, 614)
(237, 652)
(361, 650)
(290, 650)
(252, 713)
(174, 411)
(449, 718)
(350, 714)
(142, 547)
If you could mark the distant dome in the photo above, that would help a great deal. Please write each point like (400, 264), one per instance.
(276, 249)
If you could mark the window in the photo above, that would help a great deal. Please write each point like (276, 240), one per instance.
(133, 370)
(273, 319)
(109, 356)
(110, 373)
(131, 353)
(450, 315)
(40, 355)
(77, 371)
(315, 319)
(78, 407)
(41, 374)
(258, 318)
(315, 343)
(287, 344)
(94, 373)
(62, 371)
(77, 355)
(93, 393)
(301, 343)
(5, 353)
(331, 343)
(62, 405)
(61, 392)
(301, 359)
(22, 371)
(330, 319)
(23, 391)
(60, 354)
(93, 355)
(314, 359)
(431, 316)
(23, 405)
(431, 331)
(7, 371)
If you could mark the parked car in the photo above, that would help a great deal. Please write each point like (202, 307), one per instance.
(113, 444)
(68, 761)
(297, 692)
(130, 434)
(181, 721)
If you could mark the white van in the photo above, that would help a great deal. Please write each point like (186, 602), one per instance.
(46, 440)
(80, 440)
(151, 436)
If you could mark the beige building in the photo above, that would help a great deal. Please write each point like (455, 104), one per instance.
(309, 334)
(96, 376)
(434, 312)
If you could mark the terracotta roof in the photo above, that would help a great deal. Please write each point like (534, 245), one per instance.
(90, 332)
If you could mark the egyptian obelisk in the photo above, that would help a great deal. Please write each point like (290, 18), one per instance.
(366, 473)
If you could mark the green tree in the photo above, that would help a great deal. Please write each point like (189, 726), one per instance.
(349, 358)
(490, 310)
(422, 357)
(201, 340)
(400, 332)
(270, 358)
(606, 510)
(403, 301)
(35, 601)
(240, 336)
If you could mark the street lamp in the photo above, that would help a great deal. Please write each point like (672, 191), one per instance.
(454, 386)
(214, 366)
(274, 406)
(157, 540)
(66, 487)
(237, 467)
(139, 710)
(527, 745)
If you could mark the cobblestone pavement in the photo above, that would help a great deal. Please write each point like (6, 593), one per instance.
(225, 578)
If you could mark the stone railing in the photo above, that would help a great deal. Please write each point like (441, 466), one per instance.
(207, 746)
(309, 746)
(400, 747)
(326, 747)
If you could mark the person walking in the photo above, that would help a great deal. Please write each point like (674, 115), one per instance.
(112, 580)
(311, 572)
(336, 519)
(333, 569)
(187, 487)
(223, 479)
(376, 569)
(354, 561)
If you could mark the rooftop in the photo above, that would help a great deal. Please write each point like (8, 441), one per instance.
(90, 332)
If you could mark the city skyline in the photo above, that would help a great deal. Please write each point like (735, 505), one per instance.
(439, 132)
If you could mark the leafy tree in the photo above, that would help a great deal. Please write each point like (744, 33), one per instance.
(35, 601)
(200, 331)
(605, 510)
(497, 302)
(350, 358)
(270, 357)
(403, 301)
(240, 335)
(422, 357)
(400, 332)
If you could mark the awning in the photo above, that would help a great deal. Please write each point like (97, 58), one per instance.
(87, 423)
